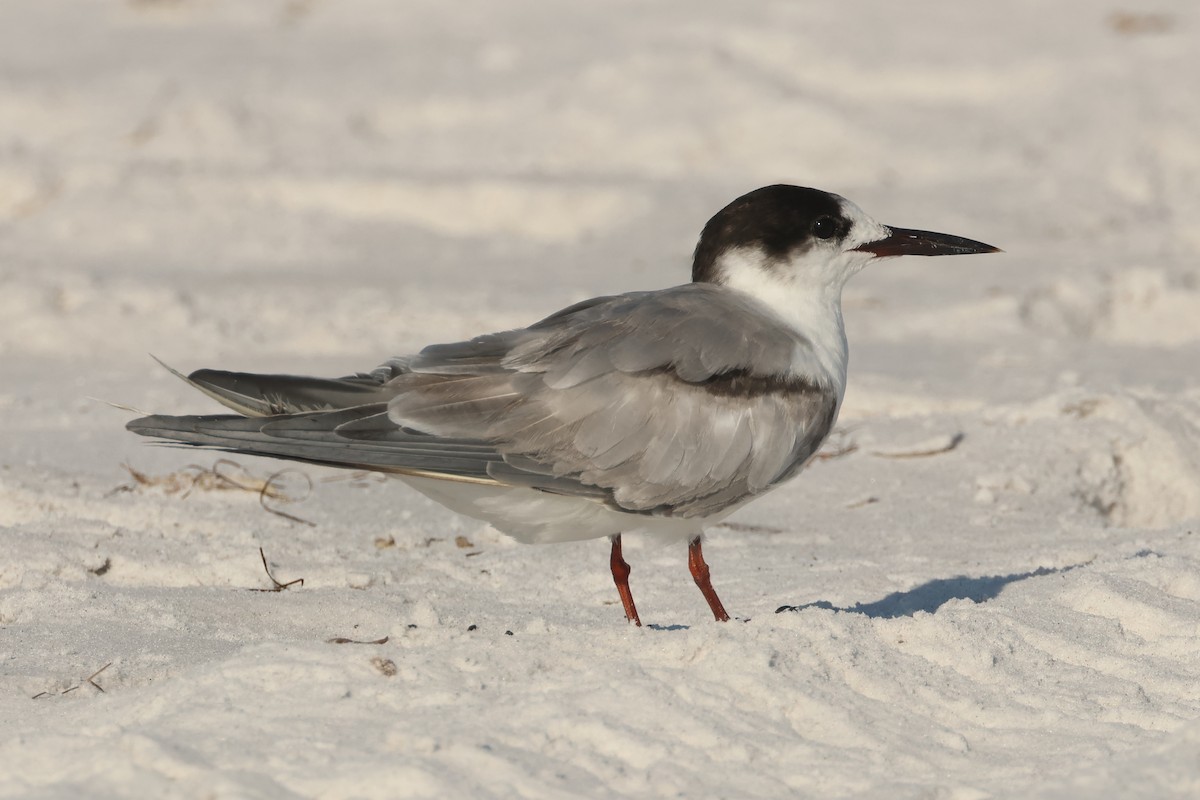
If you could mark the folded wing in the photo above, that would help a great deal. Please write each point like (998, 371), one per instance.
(679, 402)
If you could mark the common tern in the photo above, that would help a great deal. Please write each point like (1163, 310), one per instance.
(660, 412)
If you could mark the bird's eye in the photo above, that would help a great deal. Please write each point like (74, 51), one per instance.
(824, 227)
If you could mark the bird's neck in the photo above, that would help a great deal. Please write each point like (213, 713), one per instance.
(814, 312)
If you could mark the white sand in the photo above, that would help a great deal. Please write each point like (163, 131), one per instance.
(314, 186)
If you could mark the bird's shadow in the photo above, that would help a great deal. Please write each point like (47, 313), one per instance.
(931, 596)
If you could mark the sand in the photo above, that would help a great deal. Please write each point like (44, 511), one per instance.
(989, 587)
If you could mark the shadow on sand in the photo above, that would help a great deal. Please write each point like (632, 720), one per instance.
(931, 596)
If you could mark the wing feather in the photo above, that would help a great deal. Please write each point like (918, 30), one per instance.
(669, 401)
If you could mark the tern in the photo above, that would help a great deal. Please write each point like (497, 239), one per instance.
(659, 412)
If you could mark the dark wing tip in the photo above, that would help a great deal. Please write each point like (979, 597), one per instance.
(154, 425)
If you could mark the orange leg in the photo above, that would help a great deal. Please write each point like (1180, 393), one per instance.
(620, 571)
(700, 575)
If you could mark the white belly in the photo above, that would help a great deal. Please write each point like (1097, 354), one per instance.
(537, 517)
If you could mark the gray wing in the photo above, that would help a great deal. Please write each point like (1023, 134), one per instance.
(664, 402)
(362, 437)
(671, 401)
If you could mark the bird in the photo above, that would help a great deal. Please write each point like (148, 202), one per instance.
(660, 412)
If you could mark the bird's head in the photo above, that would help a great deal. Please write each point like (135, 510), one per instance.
(791, 238)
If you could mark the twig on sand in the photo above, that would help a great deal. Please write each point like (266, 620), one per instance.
(89, 679)
(224, 474)
(267, 492)
(937, 445)
(278, 587)
(197, 477)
